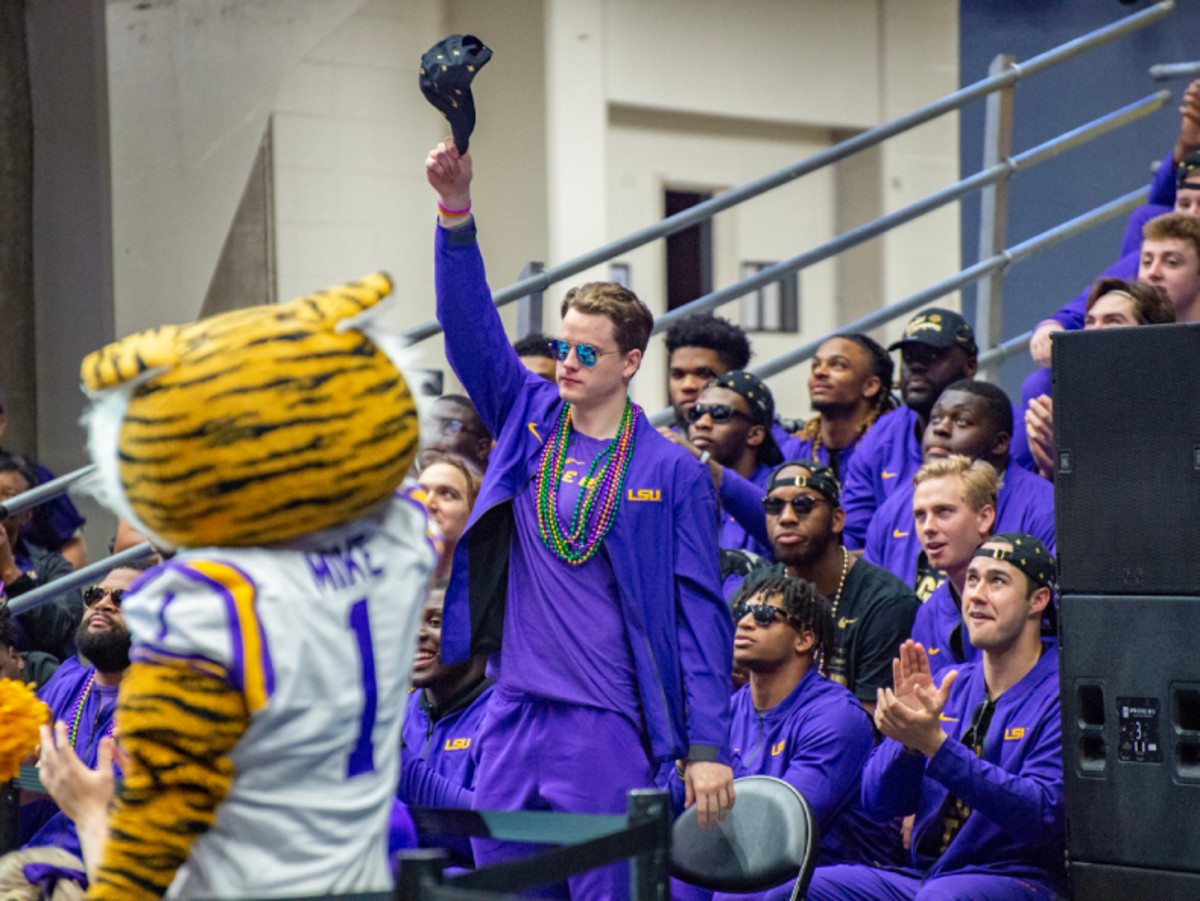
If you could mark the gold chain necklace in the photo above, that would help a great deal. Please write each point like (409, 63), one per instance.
(841, 582)
(822, 663)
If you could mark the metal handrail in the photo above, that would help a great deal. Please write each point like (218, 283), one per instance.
(826, 157)
(39, 494)
(1167, 71)
(968, 276)
(866, 232)
(85, 575)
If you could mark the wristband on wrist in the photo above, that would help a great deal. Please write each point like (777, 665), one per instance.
(454, 213)
(705, 456)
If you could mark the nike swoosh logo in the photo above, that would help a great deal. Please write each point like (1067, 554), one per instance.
(533, 428)
(946, 719)
(896, 533)
(843, 622)
(888, 475)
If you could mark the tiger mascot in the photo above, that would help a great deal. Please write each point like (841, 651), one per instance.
(261, 711)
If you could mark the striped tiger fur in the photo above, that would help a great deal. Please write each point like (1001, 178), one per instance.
(257, 425)
(177, 725)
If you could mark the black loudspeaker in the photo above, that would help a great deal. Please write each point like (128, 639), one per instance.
(1130, 683)
(1127, 474)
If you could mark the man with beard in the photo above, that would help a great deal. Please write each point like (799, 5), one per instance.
(873, 611)
(84, 696)
(938, 348)
(442, 720)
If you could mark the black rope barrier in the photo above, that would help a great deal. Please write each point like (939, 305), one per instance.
(588, 841)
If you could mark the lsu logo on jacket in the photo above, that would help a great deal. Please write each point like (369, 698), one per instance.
(644, 494)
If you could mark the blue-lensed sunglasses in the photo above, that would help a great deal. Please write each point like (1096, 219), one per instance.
(585, 353)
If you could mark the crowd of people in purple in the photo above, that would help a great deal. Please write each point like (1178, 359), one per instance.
(860, 604)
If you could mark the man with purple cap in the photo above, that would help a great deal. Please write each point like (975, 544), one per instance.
(589, 561)
(978, 757)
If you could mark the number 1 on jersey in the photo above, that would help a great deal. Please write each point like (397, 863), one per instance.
(362, 758)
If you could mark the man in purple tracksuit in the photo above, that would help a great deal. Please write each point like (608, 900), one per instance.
(974, 419)
(938, 348)
(977, 759)
(441, 724)
(84, 696)
(792, 723)
(954, 511)
(605, 604)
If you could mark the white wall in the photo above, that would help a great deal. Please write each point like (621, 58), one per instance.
(587, 111)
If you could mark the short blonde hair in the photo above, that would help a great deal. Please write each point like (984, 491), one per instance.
(1177, 226)
(632, 320)
(979, 480)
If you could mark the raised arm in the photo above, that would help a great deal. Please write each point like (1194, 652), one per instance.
(477, 347)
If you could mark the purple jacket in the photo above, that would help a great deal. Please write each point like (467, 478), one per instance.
(887, 458)
(42, 824)
(1015, 790)
(939, 629)
(438, 761)
(1024, 503)
(817, 739)
(662, 546)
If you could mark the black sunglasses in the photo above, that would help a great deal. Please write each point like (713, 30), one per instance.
(718, 412)
(802, 504)
(94, 595)
(981, 720)
(764, 614)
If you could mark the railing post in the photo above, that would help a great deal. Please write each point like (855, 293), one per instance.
(9, 806)
(419, 867)
(529, 307)
(650, 873)
(993, 208)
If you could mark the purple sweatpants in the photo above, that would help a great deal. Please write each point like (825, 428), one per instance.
(539, 754)
(849, 882)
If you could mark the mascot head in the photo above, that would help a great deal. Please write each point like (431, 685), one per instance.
(254, 426)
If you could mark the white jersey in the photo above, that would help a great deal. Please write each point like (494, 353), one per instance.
(319, 634)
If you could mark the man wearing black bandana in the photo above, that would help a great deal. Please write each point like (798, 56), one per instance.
(873, 611)
(978, 758)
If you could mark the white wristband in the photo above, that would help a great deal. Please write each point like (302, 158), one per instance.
(705, 456)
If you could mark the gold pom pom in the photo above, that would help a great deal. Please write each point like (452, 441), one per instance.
(22, 713)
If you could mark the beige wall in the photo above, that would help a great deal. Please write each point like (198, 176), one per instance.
(191, 85)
